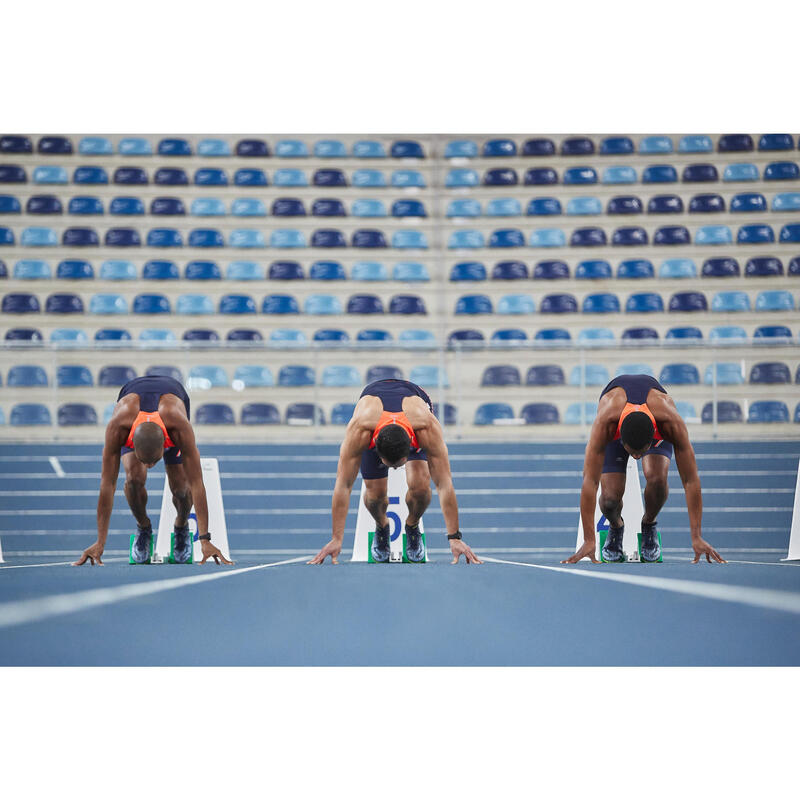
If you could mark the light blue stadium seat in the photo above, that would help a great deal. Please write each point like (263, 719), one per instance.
(468, 271)
(30, 414)
(296, 375)
(244, 238)
(516, 304)
(154, 335)
(342, 413)
(329, 148)
(213, 148)
(32, 269)
(595, 337)
(673, 268)
(488, 413)
(46, 175)
(410, 271)
(194, 304)
(687, 411)
(409, 240)
(730, 302)
(503, 207)
(244, 271)
(287, 238)
(584, 206)
(417, 338)
(770, 411)
(713, 235)
(291, 148)
(248, 207)
(459, 178)
(64, 335)
(580, 413)
(340, 375)
(207, 377)
(369, 271)
(548, 237)
(464, 207)
(429, 377)
(775, 300)
(117, 270)
(654, 145)
(461, 148)
(728, 334)
(635, 368)
(95, 146)
(595, 375)
(403, 178)
(287, 337)
(786, 201)
(367, 148)
(208, 207)
(368, 178)
(740, 172)
(728, 374)
(35, 237)
(251, 376)
(465, 239)
(322, 304)
(108, 304)
(696, 143)
(619, 174)
(365, 207)
(289, 177)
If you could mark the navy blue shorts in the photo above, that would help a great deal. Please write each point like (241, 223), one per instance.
(616, 459)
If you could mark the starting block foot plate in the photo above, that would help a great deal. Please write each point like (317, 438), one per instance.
(661, 549)
(130, 551)
(396, 556)
(171, 558)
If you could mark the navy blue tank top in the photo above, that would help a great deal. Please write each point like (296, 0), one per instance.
(150, 389)
(392, 391)
(636, 387)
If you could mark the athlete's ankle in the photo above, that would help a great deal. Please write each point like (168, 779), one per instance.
(412, 528)
(148, 528)
(648, 527)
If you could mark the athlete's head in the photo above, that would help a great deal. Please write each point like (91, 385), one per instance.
(148, 443)
(636, 433)
(393, 445)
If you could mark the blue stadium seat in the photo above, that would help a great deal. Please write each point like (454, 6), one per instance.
(776, 141)
(539, 147)
(406, 148)
(213, 148)
(120, 206)
(374, 335)
(551, 270)
(619, 174)
(90, 175)
(465, 239)
(634, 269)
(409, 240)
(501, 375)
(600, 303)
(289, 177)
(775, 300)
(770, 372)
(286, 238)
(509, 271)
(63, 303)
(551, 336)
(592, 374)
(728, 374)
(304, 414)
(707, 204)
(629, 236)
(727, 411)
(763, 411)
(76, 414)
(174, 147)
(763, 267)
(112, 335)
(328, 237)
(201, 271)
(341, 413)
(713, 235)
(740, 172)
(500, 177)
(26, 375)
(171, 237)
(135, 176)
(73, 376)
(74, 269)
(660, 173)
(655, 145)
(429, 377)
(115, 375)
(507, 237)
(410, 271)
(201, 335)
(104, 303)
(11, 173)
(407, 304)
(687, 332)
(15, 144)
(280, 304)
(296, 375)
(545, 375)
(463, 207)
(210, 176)
(558, 304)
(157, 335)
(579, 175)
(287, 337)
(331, 335)
(364, 304)
(677, 268)
(625, 204)
(687, 411)
(489, 413)
(156, 270)
(721, 268)
(43, 204)
(134, 146)
(174, 207)
(548, 237)
(591, 237)
(593, 270)
(688, 302)
(516, 304)
(204, 376)
(695, 143)
(540, 176)
(700, 173)
(32, 269)
(367, 238)
(237, 304)
(494, 148)
(151, 304)
(580, 413)
(329, 177)
(166, 176)
(773, 334)
(577, 146)
(214, 414)
(251, 376)
(785, 201)
(327, 271)
(616, 146)
(369, 149)
(644, 303)
(537, 207)
(467, 338)
(540, 414)
(468, 271)
(20, 303)
(369, 271)
(672, 235)
(7, 235)
(748, 202)
(755, 234)
(194, 304)
(54, 145)
(46, 237)
(363, 207)
(285, 271)
(328, 207)
(679, 375)
(322, 304)
(735, 143)
(257, 177)
(404, 178)
(408, 208)
(260, 414)
(463, 148)
(782, 171)
(474, 304)
(595, 337)
(23, 335)
(665, 204)
(505, 337)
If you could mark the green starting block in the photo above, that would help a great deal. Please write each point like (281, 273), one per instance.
(661, 549)
(603, 533)
(171, 559)
(152, 548)
(393, 559)
(632, 557)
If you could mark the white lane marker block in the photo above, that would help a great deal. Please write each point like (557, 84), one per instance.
(216, 514)
(632, 513)
(57, 468)
(794, 535)
(397, 486)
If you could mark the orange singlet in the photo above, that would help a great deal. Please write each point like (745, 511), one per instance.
(149, 416)
(630, 408)
(394, 418)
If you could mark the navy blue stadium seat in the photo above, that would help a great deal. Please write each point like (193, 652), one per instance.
(280, 304)
(624, 204)
(672, 235)
(776, 141)
(54, 145)
(629, 236)
(252, 148)
(509, 271)
(688, 302)
(35, 237)
(26, 375)
(727, 411)
(487, 413)
(214, 414)
(639, 334)
(579, 175)
(157, 270)
(782, 171)
(494, 148)
(659, 173)
(42, 204)
(748, 202)
(151, 304)
(165, 371)
(501, 375)
(3, 269)
(64, 303)
(679, 374)
(169, 176)
(123, 207)
(11, 173)
(601, 303)
(466, 338)
(406, 148)
(331, 335)
(328, 208)
(80, 237)
(296, 375)
(616, 145)
(700, 173)
(407, 304)
(285, 271)
(30, 414)
(755, 234)
(174, 147)
(577, 146)
(260, 414)
(551, 270)
(552, 335)
(202, 271)
(364, 304)
(793, 267)
(341, 413)
(199, 237)
(768, 411)
(545, 375)
(112, 335)
(15, 144)
(76, 414)
(644, 303)
(790, 233)
(304, 414)
(123, 237)
(327, 271)
(500, 177)
(539, 147)
(665, 204)
(74, 269)
(90, 175)
(23, 335)
(763, 267)
(237, 304)
(635, 268)
(707, 204)
(558, 304)
(721, 268)
(596, 269)
(735, 143)
(135, 176)
(540, 414)
(474, 304)
(588, 237)
(250, 177)
(329, 177)
(770, 372)
(115, 375)
(203, 335)
(468, 271)
(328, 237)
(540, 176)
(367, 238)
(447, 415)
(165, 207)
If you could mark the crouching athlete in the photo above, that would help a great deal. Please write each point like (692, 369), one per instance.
(393, 425)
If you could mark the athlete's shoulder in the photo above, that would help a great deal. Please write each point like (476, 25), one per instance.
(367, 412)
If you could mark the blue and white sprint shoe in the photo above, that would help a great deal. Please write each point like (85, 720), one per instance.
(142, 546)
(381, 548)
(651, 546)
(612, 549)
(182, 546)
(415, 547)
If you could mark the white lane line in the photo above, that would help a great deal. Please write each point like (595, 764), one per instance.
(22, 612)
(50, 563)
(57, 468)
(735, 561)
(772, 599)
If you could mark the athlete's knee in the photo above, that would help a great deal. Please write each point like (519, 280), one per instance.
(134, 485)
(610, 505)
(182, 497)
(657, 485)
(419, 496)
(376, 503)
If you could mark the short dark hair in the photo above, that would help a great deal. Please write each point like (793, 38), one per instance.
(148, 442)
(636, 430)
(393, 443)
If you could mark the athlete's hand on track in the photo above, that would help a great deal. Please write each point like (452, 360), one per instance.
(586, 549)
(92, 554)
(703, 548)
(210, 551)
(332, 549)
(459, 547)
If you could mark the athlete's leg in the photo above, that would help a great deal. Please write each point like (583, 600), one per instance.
(181, 493)
(135, 492)
(656, 490)
(376, 500)
(418, 497)
(612, 488)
